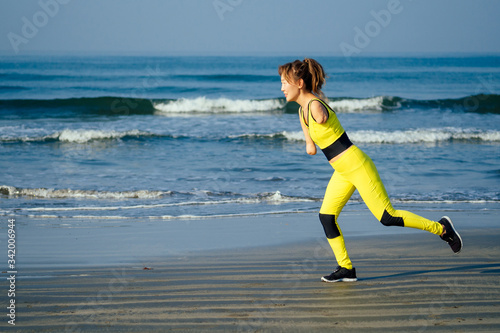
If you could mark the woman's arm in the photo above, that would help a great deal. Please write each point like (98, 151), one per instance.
(319, 113)
(310, 145)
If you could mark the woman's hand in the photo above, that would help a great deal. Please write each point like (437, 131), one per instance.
(311, 148)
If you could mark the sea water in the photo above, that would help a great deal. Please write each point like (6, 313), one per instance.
(175, 138)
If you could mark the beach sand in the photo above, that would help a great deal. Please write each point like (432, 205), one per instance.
(408, 282)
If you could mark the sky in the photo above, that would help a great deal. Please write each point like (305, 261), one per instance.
(249, 27)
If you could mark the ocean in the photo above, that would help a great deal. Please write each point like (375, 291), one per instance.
(176, 138)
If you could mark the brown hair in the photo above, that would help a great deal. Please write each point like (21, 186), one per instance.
(308, 70)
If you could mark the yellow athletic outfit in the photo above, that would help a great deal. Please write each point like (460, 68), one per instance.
(354, 170)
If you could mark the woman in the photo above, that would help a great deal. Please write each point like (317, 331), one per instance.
(301, 82)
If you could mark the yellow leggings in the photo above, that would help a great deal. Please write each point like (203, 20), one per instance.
(355, 170)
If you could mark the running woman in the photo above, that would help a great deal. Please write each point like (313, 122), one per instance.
(301, 82)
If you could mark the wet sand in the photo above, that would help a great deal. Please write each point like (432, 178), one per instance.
(408, 282)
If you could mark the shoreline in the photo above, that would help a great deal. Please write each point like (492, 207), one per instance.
(81, 242)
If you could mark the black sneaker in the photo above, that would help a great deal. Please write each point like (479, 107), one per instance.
(451, 236)
(341, 274)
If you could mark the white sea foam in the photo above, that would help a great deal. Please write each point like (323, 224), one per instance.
(273, 198)
(72, 135)
(277, 198)
(424, 135)
(225, 105)
(82, 136)
(166, 217)
(219, 105)
(46, 193)
(355, 105)
(446, 201)
(294, 136)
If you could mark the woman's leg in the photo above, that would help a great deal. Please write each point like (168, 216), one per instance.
(369, 185)
(337, 193)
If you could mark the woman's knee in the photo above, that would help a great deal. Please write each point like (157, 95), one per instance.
(329, 225)
(390, 220)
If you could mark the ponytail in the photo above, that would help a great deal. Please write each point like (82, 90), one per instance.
(317, 76)
(308, 70)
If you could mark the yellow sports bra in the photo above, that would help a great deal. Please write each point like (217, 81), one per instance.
(329, 136)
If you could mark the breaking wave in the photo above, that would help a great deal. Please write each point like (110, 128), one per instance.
(119, 106)
(220, 105)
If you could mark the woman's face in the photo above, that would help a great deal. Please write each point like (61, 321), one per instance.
(291, 90)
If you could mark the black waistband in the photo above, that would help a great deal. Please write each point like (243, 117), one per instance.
(340, 145)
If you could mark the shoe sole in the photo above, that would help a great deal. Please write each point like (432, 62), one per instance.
(456, 233)
(340, 280)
